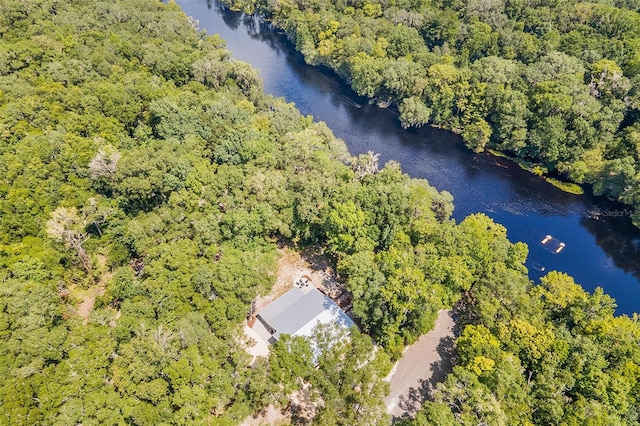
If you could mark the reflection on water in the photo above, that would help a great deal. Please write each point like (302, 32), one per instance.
(624, 253)
(601, 249)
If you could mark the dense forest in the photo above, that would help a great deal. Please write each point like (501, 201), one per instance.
(555, 83)
(144, 169)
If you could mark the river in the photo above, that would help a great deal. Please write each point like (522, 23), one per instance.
(602, 246)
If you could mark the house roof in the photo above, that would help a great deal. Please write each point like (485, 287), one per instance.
(297, 312)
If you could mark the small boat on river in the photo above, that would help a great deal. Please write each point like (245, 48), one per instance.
(538, 267)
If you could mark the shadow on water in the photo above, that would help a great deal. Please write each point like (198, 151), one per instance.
(277, 40)
(230, 18)
(601, 249)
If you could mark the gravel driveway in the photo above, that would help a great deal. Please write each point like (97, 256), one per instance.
(423, 364)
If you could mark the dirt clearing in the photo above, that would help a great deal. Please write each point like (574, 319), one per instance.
(270, 417)
(293, 265)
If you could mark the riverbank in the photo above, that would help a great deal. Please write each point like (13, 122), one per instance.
(499, 109)
(524, 203)
(540, 171)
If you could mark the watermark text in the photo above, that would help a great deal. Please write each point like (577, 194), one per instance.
(612, 213)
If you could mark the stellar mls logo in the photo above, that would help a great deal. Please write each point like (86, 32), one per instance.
(616, 213)
(597, 213)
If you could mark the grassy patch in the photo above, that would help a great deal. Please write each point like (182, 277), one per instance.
(569, 187)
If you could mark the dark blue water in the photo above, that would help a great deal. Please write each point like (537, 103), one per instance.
(602, 247)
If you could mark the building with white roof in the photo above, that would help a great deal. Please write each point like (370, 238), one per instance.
(299, 310)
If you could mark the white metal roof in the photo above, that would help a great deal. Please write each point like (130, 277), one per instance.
(297, 312)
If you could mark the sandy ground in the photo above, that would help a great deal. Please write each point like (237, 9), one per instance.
(256, 344)
(271, 416)
(423, 364)
(85, 307)
(294, 265)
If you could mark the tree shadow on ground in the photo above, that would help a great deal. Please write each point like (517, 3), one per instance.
(412, 402)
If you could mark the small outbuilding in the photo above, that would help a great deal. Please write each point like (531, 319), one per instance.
(299, 310)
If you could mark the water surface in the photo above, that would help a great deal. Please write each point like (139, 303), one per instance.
(602, 246)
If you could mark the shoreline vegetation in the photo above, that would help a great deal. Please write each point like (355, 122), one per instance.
(568, 187)
(146, 172)
(551, 83)
(538, 170)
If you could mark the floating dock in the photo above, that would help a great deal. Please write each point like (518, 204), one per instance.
(552, 244)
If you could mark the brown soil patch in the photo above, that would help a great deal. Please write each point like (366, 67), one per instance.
(289, 266)
(323, 276)
(85, 307)
(254, 342)
(114, 320)
(309, 263)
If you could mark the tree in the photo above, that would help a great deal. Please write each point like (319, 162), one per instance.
(197, 174)
(413, 112)
(433, 413)
(365, 164)
(67, 226)
(471, 401)
(346, 229)
(105, 162)
(476, 135)
(339, 381)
